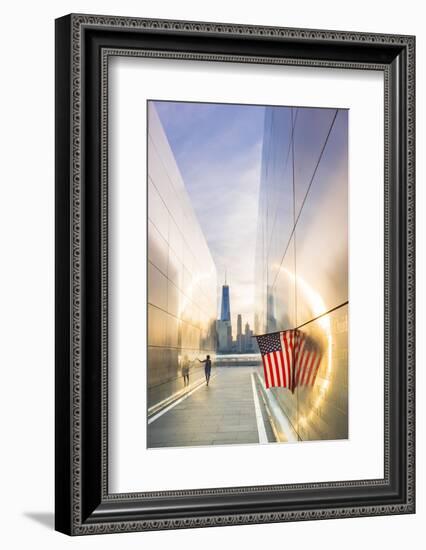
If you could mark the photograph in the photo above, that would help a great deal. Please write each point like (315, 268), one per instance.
(247, 270)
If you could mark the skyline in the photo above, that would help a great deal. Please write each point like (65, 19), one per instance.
(218, 149)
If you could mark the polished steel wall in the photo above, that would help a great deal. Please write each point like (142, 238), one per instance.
(182, 279)
(302, 255)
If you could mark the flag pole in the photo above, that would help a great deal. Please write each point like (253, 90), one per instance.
(307, 322)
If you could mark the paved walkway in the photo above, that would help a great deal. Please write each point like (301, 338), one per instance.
(222, 413)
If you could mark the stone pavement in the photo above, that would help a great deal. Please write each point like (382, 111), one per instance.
(222, 413)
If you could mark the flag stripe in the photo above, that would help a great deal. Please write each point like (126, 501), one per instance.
(305, 367)
(286, 357)
(315, 370)
(309, 370)
(271, 370)
(304, 362)
(265, 372)
(268, 371)
(279, 367)
(274, 369)
(299, 357)
(283, 370)
(290, 343)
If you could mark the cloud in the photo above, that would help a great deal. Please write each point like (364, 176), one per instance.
(218, 151)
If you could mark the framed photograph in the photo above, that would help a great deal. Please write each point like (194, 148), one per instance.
(234, 274)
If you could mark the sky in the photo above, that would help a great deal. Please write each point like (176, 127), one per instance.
(218, 149)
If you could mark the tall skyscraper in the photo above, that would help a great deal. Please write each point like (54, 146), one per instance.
(222, 329)
(224, 326)
(225, 312)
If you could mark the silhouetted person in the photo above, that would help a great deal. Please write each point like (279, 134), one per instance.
(185, 371)
(207, 367)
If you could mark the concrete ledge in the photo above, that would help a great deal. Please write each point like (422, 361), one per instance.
(282, 427)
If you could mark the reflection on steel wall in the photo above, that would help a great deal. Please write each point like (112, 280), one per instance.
(302, 255)
(182, 277)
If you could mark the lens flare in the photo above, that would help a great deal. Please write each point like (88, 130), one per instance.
(318, 308)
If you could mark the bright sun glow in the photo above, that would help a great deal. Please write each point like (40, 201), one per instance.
(318, 308)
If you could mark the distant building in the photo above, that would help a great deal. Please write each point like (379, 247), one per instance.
(222, 329)
(240, 339)
(223, 325)
(244, 341)
(239, 325)
(225, 314)
(229, 336)
(248, 339)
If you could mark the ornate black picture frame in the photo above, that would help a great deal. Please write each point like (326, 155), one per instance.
(83, 45)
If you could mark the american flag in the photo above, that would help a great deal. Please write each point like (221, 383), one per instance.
(290, 359)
